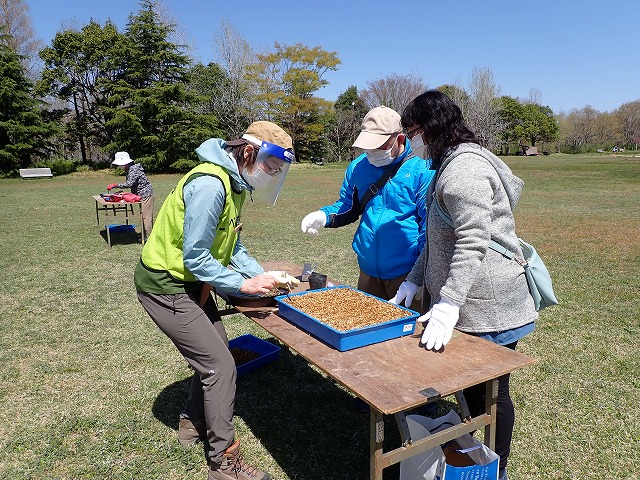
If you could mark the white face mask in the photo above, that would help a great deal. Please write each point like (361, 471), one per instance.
(258, 179)
(379, 158)
(418, 147)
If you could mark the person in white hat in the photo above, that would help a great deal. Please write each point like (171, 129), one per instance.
(195, 245)
(139, 184)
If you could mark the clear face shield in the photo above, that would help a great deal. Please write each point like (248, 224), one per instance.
(270, 170)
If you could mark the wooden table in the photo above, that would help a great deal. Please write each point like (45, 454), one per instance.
(398, 375)
(110, 211)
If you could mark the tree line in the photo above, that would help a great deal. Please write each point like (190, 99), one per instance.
(100, 90)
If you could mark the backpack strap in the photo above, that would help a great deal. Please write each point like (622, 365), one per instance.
(377, 186)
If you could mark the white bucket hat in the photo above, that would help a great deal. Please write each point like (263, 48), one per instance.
(122, 158)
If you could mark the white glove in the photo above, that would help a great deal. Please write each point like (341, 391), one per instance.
(406, 291)
(283, 279)
(442, 318)
(313, 222)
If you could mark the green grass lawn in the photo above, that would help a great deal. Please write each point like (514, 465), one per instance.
(90, 388)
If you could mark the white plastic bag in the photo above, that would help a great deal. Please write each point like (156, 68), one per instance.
(432, 464)
(425, 466)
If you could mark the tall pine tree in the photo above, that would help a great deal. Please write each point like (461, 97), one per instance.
(24, 135)
(151, 112)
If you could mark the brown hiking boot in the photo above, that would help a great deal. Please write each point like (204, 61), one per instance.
(233, 467)
(189, 432)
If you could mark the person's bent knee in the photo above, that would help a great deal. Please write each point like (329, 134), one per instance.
(225, 368)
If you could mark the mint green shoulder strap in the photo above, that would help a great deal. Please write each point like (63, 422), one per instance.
(447, 218)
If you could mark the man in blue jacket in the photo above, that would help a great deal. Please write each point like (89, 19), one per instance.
(392, 226)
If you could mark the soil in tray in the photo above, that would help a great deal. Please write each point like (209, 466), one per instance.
(242, 355)
(345, 309)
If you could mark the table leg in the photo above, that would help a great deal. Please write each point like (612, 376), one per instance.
(98, 210)
(405, 434)
(465, 415)
(376, 444)
(106, 224)
(141, 222)
(491, 408)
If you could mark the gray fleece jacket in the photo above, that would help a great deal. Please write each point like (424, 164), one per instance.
(479, 192)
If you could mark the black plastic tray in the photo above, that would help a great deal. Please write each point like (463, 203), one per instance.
(248, 300)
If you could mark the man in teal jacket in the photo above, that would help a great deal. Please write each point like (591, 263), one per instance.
(195, 245)
(392, 226)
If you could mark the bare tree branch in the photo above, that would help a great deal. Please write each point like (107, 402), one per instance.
(16, 20)
(482, 110)
(234, 105)
(393, 91)
(178, 35)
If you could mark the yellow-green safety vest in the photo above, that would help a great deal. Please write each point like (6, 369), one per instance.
(163, 249)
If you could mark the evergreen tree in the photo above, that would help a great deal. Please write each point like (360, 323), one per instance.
(152, 112)
(79, 67)
(343, 126)
(539, 124)
(511, 115)
(227, 94)
(23, 133)
(214, 96)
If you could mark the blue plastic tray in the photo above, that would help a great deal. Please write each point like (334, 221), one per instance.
(268, 351)
(347, 340)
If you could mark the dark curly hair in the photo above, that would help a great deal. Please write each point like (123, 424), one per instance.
(444, 126)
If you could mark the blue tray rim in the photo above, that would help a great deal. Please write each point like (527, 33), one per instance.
(273, 351)
(412, 314)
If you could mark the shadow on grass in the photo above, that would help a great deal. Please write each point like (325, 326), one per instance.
(170, 401)
(168, 405)
(304, 420)
(122, 236)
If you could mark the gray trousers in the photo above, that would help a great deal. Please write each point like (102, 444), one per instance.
(199, 335)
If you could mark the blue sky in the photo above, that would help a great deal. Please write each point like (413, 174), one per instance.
(575, 52)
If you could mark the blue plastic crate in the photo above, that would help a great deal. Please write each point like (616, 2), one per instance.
(268, 351)
(347, 340)
(118, 227)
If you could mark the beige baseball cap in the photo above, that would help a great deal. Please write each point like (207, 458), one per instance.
(261, 131)
(377, 126)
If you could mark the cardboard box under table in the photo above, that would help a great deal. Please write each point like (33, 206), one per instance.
(349, 339)
(398, 375)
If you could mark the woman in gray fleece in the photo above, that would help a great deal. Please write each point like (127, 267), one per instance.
(472, 287)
